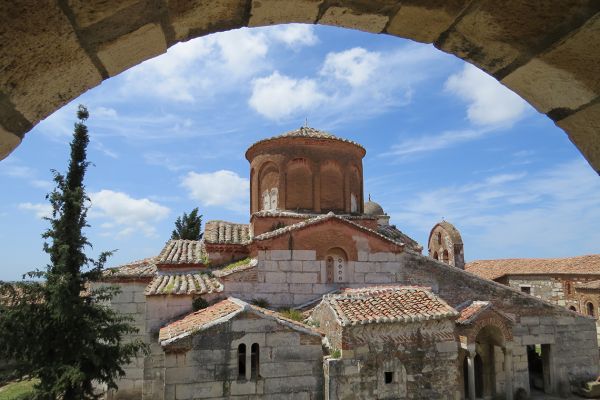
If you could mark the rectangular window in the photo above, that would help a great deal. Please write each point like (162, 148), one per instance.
(526, 289)
(388, 377)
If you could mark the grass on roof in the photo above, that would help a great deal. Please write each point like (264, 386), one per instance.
(18, 390)
(236, 264)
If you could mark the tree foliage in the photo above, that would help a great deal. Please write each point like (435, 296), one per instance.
(60, 328)
(188, 226)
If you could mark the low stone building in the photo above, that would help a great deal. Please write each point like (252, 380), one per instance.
(571, 282)
(380, 319)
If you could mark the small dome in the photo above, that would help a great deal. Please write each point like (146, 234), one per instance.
(372, 208)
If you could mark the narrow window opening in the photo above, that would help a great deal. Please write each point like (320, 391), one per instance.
(388, 377)
(526, 289)
(242, 361)
(439, 238)
(254, 360)
(590, 309)
(446, 257)
(435, 255)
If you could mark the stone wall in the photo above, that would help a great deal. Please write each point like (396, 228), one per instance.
(206, 366)
(420, 357)
(292, 278)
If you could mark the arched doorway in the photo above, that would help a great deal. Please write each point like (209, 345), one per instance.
(478, 376)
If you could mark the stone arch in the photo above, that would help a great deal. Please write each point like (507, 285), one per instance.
(60, 51)
(268, 184)
(332, 188)
(299, 190)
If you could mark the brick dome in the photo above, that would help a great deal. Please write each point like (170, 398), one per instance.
(306, 170)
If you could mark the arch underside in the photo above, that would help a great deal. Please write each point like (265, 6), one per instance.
(541, 50)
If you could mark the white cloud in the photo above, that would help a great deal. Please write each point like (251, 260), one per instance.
(544, 214)
(344, 83)
(125, 213)
(104, 112)
(489, 102)
(429, 143)
(294, 35)
(13, 168)
(278, 96)
(221, 188)
(355, 66)
(41, 210)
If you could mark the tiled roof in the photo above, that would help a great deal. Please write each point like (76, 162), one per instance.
(223, 232)
(592, 285)
(293, 214)
(318, 220)
(198, 320)
(471, 310)
(221, 312)
(307, 132)
(494, 269)
(182, 252)
(226, 270)
(397, 235)
(145, 268)
(387, 304)
(183, 284)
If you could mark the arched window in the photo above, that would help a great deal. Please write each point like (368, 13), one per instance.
(268, 184)
(332, 188)
(335, 262)
(446, 257)
(590, 309)
(439, 237)
(572, 308)
(435, 255)
(254, 360)
(299, 191)
(242, 361)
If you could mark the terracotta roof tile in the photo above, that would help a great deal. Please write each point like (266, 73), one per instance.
(221, 312)
(307, 132)
(183, 284)
(196, 321)
(145, 268)
(223, 232)
(397, 235)
(182, 252)
(387, 304)
(318, 220)
(471, 311)
(494, 269)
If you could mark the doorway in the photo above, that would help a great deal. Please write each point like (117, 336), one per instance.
(540, 368)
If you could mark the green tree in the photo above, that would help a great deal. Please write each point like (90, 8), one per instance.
(59, 328)
(188, 226)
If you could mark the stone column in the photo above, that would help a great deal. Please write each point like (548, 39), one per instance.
(508, 377)
(471, 371)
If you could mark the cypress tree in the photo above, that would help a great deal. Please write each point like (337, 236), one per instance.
(60, 328)
(188, 226)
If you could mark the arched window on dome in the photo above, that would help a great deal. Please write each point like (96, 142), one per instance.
(299, 190)
(435, 255)
(332, 188)
(439, 238)
(268, 185)
(353, 203)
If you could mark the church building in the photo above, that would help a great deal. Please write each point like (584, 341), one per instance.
(320, 297)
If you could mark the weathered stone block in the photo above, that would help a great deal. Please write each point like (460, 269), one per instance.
(133, 48)
(269, 12)
(304, 255)
(311, 266)
(281, 255)
(302, 277)
(275, 277)
(342, 16)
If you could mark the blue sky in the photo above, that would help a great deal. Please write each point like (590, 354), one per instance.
(443, 140)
